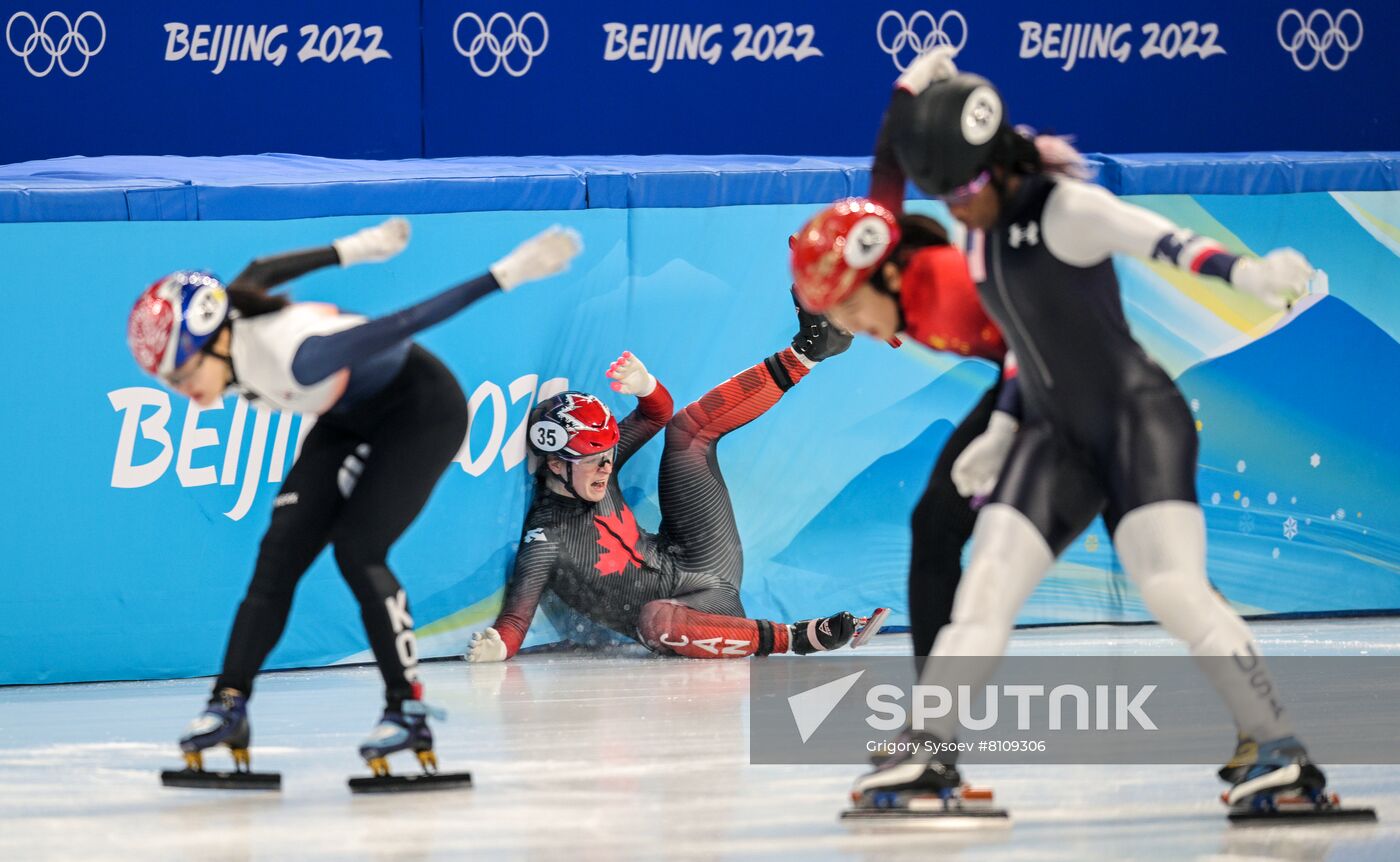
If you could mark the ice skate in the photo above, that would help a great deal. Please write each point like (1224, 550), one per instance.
(833, 632)
(816, 337)
(1275, 780)
(405, 729)
(916, 782)
(223, 722)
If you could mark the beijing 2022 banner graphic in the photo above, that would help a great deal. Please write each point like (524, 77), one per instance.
(333, 78)
(364, 79)
(812, 78)
(133, 518)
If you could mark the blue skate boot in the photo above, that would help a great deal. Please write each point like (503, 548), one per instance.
(1277, 780)
(223, 722)
(405, 728)
(915, 780)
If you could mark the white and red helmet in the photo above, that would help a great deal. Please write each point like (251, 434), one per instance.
(174, 319)
(839, 249)
(572, 426)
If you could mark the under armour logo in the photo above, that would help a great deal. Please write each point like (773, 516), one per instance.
(1030, 234)
(536, 535)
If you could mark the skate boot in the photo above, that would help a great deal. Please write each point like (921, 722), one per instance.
(914, 780)
(405, 729)
(820, 635)
(835, 631)
(1276, 779)
(816, 338)
(223, 722)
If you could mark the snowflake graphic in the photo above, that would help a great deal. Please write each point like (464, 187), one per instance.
(1315, 459)
(1290, 528)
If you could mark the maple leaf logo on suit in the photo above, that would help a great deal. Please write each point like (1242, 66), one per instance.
(617, 536)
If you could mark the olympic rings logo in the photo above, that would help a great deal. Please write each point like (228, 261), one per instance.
(1316, 42)
(500, 42)
(40, 40)
(909, 34)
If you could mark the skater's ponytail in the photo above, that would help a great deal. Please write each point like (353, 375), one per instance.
(1021, 150)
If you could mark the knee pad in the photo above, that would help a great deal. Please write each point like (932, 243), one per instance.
(683, 427)
(658, 618)
(1163, 549)
(1009, 557)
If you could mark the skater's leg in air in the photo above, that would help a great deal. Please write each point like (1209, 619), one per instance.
(673, 627)
(696, 512)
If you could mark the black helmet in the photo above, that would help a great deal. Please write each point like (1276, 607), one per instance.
(943, 136)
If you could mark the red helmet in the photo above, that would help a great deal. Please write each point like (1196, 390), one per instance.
(839, 249)
(572, 426)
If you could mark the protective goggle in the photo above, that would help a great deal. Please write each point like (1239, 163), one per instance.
(967, 191)
(597, 459)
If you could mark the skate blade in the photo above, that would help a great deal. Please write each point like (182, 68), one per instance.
(871, 628)
(410, 783)
(1300, 809)
(972, 808)
(202, 780)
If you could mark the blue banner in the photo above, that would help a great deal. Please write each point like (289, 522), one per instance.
(133, 518)
(326, 77)
(457, 78)
(697, 76)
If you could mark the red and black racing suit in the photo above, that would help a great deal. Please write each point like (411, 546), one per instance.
(675, 590)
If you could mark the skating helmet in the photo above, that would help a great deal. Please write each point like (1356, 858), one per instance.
(839, 249)
(174, 319)
(572, 426)
(946, 135)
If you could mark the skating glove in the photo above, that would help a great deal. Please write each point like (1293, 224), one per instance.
(377, 243)
(486, 645)
(630, 376)
(976, 470)
(1279, 278)
(542, 255)
(936, 65)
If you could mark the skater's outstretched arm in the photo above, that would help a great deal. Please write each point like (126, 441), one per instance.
(886, 176)
(1084, 224)
(534, 565)
(654, 406)
(380, 242)
(538, 257)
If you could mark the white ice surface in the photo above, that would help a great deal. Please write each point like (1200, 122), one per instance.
(601, 757)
